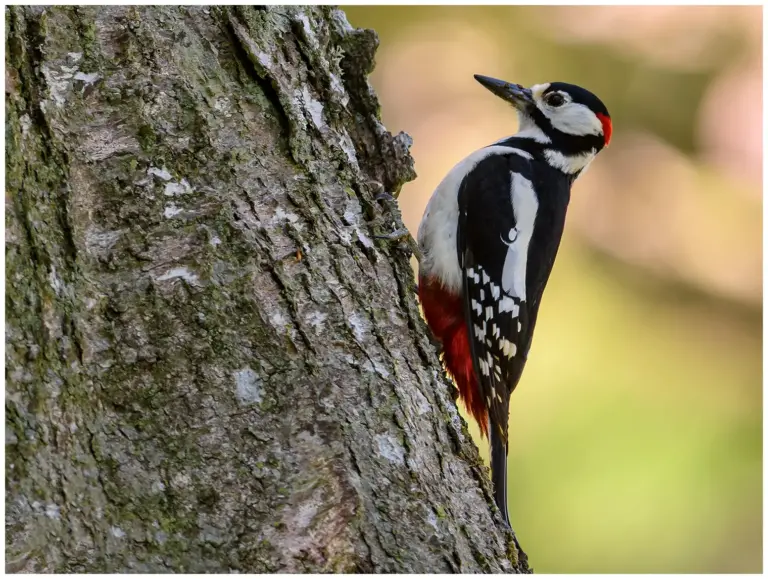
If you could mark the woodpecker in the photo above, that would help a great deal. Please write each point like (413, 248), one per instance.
(488, 241)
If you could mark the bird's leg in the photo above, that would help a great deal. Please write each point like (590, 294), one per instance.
(397, 234)
(391, 210)
(392, 215)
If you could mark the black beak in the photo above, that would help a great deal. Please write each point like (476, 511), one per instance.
(519, 96)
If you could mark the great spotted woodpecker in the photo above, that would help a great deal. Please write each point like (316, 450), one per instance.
(488, 241)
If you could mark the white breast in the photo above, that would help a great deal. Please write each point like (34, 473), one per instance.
(438, 228)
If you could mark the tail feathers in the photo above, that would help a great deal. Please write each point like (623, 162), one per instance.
(499, 473)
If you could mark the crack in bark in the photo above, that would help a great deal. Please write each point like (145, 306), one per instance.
(246, 58)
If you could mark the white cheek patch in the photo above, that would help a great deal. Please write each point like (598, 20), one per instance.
(574, 119)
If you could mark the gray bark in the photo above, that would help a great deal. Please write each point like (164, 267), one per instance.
(212, 363)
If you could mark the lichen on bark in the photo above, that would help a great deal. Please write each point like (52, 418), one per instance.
(212, 363)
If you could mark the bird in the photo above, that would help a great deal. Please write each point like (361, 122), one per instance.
(488, 240)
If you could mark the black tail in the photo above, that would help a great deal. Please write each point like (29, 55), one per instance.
(499, 473)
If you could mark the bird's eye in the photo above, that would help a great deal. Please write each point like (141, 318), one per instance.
(554, 99)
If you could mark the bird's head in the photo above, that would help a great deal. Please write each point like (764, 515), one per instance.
(571, 122)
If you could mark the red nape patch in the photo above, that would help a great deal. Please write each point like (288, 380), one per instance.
(444, 313)
(607, 127)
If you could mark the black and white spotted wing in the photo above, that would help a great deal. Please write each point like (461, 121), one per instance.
(493, 239)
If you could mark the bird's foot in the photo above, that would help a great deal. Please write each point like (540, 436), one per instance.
(396, 235)
(386, 197)
(392, 218)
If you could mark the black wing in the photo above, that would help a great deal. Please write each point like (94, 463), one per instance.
(490, 242)
(511, 219)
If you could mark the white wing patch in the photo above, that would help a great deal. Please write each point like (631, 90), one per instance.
(574, 119)
(525, 205)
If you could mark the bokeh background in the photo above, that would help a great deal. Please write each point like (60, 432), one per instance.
(636, 431)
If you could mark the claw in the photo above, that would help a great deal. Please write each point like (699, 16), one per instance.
(384, 196)
(395, 235)
(406, 241)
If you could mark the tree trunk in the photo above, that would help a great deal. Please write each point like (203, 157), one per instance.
(212, 363)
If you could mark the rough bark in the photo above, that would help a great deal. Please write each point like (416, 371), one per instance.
(212, 363)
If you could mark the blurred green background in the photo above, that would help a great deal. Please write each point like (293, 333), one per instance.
(636, 431)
